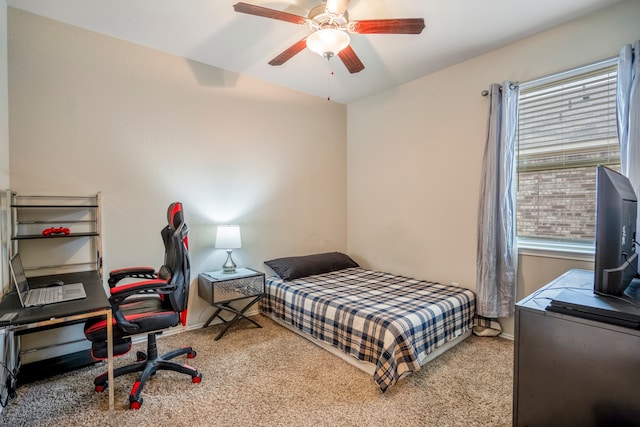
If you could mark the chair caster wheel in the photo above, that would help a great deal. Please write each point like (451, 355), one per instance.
(141, 356)
(101, 387)
(192, 354)
(135, 403)
(197, 379)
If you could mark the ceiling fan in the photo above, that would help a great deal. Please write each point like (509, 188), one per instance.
(329, 24)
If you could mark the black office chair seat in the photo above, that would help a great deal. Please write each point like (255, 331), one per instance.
(148, 313)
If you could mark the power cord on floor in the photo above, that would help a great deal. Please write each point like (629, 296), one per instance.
(11, 380)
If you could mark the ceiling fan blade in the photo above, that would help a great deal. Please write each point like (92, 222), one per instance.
(268, 13)
(389, 26)
(351, 60)
(289, 53)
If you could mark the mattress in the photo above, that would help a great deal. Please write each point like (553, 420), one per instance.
(391, 321)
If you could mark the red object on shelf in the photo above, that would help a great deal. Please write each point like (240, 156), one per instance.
(55, 230)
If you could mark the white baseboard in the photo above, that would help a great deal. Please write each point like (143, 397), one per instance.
(191, 327)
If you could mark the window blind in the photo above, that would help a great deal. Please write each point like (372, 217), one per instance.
(571, 122)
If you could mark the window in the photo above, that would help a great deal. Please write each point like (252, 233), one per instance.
(566, 127)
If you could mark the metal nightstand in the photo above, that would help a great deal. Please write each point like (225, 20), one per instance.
(220, 289)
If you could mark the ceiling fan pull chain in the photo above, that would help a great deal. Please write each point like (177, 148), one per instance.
(329, 85)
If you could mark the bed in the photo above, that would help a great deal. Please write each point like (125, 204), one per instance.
(388, 325)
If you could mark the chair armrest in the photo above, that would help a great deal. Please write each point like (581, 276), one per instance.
(140, 272)
(154, 286)
(146, 287)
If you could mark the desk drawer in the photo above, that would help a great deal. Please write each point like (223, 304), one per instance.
(217, 291)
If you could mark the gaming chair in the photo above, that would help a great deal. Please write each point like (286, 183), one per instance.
(157, 302)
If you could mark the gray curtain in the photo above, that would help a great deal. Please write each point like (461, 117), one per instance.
(497, 251)
(628, 113)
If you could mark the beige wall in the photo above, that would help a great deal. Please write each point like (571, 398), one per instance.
(415, 154)
(4, 180)
(4, 103)
(92, 113)
(4, 146)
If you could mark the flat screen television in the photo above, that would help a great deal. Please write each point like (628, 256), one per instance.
(616, 259)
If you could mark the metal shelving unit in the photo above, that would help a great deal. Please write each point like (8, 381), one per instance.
(80, 249)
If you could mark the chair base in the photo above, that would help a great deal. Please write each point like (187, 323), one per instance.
(148, 364)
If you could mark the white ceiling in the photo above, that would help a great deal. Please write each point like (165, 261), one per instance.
(210, 31)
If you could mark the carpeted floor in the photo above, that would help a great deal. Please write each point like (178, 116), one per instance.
(273, 377)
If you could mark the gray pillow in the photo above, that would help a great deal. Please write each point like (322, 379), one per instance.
(290, 268)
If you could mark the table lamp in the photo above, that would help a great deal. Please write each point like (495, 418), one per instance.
(228, 238)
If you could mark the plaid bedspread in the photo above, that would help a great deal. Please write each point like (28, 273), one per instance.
(391, 321)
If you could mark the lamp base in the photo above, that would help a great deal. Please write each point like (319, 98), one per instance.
(229, 266)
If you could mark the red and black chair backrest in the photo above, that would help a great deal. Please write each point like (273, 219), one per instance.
(177, 267)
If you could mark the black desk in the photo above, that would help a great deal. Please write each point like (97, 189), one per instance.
(95, 304)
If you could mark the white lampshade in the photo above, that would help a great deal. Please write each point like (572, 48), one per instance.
(228, 237)
(328, 42)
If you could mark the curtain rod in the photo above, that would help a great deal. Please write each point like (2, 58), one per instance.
(511, 86)
(592, 64)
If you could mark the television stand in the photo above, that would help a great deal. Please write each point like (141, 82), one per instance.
(570, 370)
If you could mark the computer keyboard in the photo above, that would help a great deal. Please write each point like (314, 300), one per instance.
(48, 295)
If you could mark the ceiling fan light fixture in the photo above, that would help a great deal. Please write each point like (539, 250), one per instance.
(328, 42)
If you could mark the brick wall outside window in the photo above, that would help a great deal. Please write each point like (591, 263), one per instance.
(557, 204)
